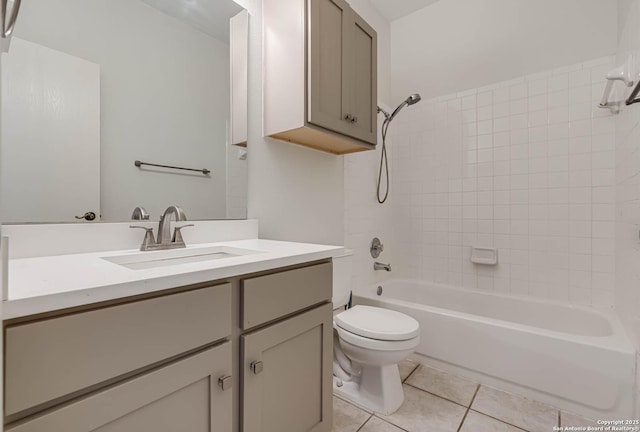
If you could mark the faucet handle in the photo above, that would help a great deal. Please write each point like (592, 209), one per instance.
(177, 234)
(148, 240)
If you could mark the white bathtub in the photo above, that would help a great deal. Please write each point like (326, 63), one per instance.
(576, 358)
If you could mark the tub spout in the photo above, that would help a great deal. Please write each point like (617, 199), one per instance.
(381, 266)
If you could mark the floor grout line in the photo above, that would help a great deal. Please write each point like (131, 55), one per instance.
(391, 423)
(411, 373)
(353, 404)
(443, 398)
(466, 413)
(500, 420)
(365, 422)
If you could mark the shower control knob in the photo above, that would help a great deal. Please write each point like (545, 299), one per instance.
(376, 247)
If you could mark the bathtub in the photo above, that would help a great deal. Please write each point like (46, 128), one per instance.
(575, 358)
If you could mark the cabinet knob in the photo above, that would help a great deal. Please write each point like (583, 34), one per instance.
(348, 117)
(225, 383)
(354, 119)
(256, 367)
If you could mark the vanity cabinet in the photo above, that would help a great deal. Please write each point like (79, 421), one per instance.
(287, 371)
(320, 75)
(248, 353)
(287, 364)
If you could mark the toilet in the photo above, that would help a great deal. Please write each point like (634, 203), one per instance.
(369, 342)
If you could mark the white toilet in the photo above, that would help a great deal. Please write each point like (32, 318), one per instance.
(369, 342)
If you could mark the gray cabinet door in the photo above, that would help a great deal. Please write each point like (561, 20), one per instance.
(183, 396)
(287, 375)
(328, 91)
(362, 83)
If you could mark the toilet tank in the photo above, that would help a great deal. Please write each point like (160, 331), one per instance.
(342, 278)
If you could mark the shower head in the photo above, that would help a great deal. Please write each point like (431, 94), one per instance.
(413, 99)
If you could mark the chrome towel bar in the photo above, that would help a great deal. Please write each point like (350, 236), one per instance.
(203, 170)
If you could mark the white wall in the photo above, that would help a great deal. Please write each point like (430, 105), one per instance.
(455, 45)
(298, 193)
(144, 116)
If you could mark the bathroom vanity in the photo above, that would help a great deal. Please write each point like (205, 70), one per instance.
(243, 344)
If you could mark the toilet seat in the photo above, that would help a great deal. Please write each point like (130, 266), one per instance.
(375, 344)
(378, 324)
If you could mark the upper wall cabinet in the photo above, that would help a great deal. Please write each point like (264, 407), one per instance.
(320, 75)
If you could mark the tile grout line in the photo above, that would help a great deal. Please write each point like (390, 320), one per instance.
(388, 422)
(500, 420)
(411, 373)
(441, 397)
(365, 422)
(464, 417)
(353, 404)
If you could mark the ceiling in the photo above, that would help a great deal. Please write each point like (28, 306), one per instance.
(211, 17)
(394, 9)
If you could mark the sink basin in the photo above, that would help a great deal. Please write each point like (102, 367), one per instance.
(154, 259)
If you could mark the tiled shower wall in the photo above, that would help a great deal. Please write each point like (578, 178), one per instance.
(526, 166)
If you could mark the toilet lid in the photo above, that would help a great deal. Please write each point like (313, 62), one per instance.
(378, 323)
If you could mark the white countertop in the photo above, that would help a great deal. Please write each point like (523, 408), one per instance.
(50, 283)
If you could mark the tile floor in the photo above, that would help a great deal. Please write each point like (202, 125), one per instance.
(436, 401)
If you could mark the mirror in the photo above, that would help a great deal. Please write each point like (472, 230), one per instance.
(90, 86)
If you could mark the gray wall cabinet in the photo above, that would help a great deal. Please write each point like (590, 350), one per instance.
(226, 356)
(320, 75)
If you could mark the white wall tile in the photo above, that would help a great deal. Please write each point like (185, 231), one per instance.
(520, 165)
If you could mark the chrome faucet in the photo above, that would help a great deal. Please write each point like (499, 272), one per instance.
(381, 266)
(165, 241)
(164, 233)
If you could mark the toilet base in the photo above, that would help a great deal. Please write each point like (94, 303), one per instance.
(378, 389)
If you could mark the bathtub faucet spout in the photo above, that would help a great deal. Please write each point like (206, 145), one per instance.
(381, 266)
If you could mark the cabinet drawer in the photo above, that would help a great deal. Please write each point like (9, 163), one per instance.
(182, 396)
(265, 298)
(52, 358)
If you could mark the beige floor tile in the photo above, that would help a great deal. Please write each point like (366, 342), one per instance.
(424, 412)
(476, 422)
(527, 414)
(346, 417)
(570, 419)
(443, 384)
(376, 425)
(406, 367)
